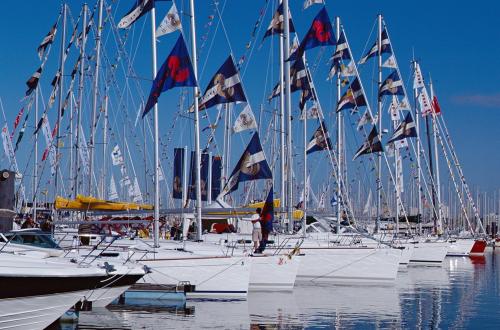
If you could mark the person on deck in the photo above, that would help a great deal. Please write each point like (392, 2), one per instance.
(257, 230)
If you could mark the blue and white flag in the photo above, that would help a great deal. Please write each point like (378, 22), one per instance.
(392, 85)
(385, 48)
(352, 98)
(309, 3)
(224, 87)
(170, 23)
(298, 79)
(372, 144)
(406, 129)
(178, 177)
(342, 52)
(276, 25)
(320, 140)
(141, 8)
(251, 166)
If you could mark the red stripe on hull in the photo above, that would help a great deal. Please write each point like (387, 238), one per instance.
(478, 247)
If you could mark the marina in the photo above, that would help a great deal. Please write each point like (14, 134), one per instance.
(271, 164)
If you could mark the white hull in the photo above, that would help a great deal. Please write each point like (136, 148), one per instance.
(274, 273)
(103, 297)
(461, 247)
(36, 312)
(406, 254)
(429, 253)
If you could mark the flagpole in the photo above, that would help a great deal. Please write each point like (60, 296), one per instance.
(94, 99)
(80, 99)
(306, 187)
(35, 159)
(396, 183)
(104, 147)
(379, 109)
(288, 107)
(60, 101)
(419, 182)
(225, 147)
(282, 128)
(196, 120)
(431, 170)
(436, 156)
(156, 166)
(339, 137)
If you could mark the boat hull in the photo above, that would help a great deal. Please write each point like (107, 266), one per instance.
(274, 272)
(428, 253)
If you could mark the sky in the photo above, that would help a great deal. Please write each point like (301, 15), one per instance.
(455, 43)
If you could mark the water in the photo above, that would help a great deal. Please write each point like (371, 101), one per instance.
(463, 294)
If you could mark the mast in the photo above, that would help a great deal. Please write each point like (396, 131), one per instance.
(104, 148)
(80, 99)
(225, 147)
(156, 166)
(396, 183)
(288, 108)
(339, 138)
(306, 186)
(379, 109)
(60, 96)
(282, 128)
(437, 206)
(419, 173)
(431, 170)
(35, 159)
(94, 99)
(196, 120)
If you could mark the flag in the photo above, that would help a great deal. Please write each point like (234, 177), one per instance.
(390, 63)
(276, 25)
(352, 98)
(205, 160)
(394, 108)
(418, 79)
(348, 70)
(385, 48)
(116, 156)
(306, 94)
(246, 120)
(216, 175)
(224, 87)
(170, 23)
(406, 129)
(372, 144)
(320, 34)
(32, 82)
(191, 190)
(311, 113)
(84, 152)
(404, 104)
(366, 118)
(176, 71)
(435, 106)
(140, 8)
(177, 186)
(267, 213)
(424, 102)
(50, 149)
(112, 192)
(298, 78)
(16, 122)
(251, 166)
(320, 140)
(392, 85)
(309, 3)
(342, 52)
(47, 40)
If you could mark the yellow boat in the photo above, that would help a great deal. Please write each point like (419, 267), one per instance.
(89, 203)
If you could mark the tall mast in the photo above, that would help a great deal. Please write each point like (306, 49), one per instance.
(80, 99)
(306, 186)
(104, 147)
(35, 159)
(437, 206)
(379, 109)
(397, 191)
(94, 100)
(419, 172)
(156, 165)
(339, 138)
(196, 121)
(282, 128)
(288, 108)
(60, 100)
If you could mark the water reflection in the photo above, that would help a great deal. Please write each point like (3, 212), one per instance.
(464, 293)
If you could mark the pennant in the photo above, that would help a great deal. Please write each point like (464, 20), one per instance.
(170, 23)
(424, 102)
(276, 25)
(394, 109)
(50, 149)
(390, 63)
(342, 52)
(352, 98)
(406, 129)
(216, 175)
(32, 82)
(306, 94)
(177, 186)
(140, 8)
(309, 3)
(246, 120)
(404, 104)
(320, 140)
(298, 79)
(392, 85)
(371, 145)
(320, 34)
(366, 118)
(348, 70)
(47, 40)
(385, 48)
(251, 166)
(17, 121)
(112, 192)
(418, 79)
(224, 87)
(435, 106)
(312, 113)
(176, 71)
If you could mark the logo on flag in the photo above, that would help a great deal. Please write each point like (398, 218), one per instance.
(405, 129)
(276, 25)
(352, 98)
(371, 145)
(320, 140)
(170, 23)
(392, 85)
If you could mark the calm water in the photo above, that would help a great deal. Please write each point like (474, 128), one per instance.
(464, 293)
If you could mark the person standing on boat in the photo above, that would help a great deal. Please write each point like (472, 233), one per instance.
(257, 230)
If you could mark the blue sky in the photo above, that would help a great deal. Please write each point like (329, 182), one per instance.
(455, 43)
